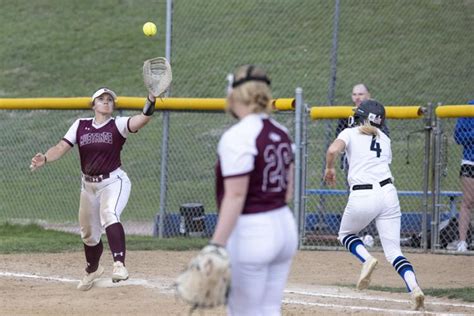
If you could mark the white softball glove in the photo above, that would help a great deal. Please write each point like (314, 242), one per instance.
(157, 75)
(206, 281)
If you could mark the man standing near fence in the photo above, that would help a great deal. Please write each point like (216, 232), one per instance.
(464, 135)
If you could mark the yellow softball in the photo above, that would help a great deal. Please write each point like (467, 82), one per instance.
(149, 29)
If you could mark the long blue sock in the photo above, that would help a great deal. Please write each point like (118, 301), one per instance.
(355, 245)
(406, 271)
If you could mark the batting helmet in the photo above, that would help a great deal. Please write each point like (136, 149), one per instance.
(370, 110)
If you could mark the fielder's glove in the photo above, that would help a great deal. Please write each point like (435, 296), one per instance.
(157, 75)
(206, 281)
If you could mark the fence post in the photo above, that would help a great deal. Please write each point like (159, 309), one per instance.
(436, 184)
(429, 123)
(166, 124)
(298, 163)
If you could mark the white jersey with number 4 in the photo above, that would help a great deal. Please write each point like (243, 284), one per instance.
(369, 156)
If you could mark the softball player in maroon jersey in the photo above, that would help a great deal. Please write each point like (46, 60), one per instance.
(105, 186)
(254, 179)
(373, 195)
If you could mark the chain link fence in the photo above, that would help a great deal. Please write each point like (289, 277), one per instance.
(407, 52)
(325, 205)
(455, 143)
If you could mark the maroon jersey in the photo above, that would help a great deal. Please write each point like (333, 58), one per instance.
(261, 148)
(99, 146)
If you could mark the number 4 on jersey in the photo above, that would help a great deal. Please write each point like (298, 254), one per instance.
(375, 146)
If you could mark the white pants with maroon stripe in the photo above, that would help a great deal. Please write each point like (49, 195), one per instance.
(102, 204)
(261, 248)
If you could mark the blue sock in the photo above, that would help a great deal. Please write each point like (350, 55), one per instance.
(406, 271)
(355, 245)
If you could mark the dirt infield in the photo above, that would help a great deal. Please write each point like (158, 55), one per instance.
(45, 284)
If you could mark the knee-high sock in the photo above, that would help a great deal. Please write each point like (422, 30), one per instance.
(355, 245)
(406, 271)
(93, 254)
(116, 239)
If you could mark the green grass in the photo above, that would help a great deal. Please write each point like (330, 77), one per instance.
(35, 239)
(463, 293)
(407, 52)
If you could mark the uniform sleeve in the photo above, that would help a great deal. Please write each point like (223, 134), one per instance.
(122, 125)
(345, 136)
(236, 154)
(71, 134)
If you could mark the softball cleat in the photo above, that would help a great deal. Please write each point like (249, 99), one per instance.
(88, 281)
(119, 273)
(367, 268)
(418, 299)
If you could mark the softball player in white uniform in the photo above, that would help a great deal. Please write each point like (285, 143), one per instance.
(253, 183)
(372, 196)
(105, 186)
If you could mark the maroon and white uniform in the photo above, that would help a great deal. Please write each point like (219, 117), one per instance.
(264, 239)
(105, 186)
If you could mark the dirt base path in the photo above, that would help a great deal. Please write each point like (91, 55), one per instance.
(45, 284)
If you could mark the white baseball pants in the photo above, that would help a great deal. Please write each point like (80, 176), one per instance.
(381, 204)
(101, 205)
(261, 248)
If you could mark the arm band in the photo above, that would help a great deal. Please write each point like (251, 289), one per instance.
(149, 107)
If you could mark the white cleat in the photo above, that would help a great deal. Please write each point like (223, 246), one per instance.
(418, 299)
(119, 273)
(367, 268)
(88, 280)
(462, 246)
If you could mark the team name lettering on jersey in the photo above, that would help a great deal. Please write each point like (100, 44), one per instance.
(95, 138)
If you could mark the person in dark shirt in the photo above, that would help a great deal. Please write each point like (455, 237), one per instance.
(105, 185)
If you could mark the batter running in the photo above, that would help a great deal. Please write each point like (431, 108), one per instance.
(372, 196)
(105, 186)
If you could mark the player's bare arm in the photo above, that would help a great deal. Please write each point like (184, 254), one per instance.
(140, 120)
(289, 189)
(333, 151)
(232, 205)
(54, 153)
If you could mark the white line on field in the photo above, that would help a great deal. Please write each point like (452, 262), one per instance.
(365, 308)
(165, 286)
(372, 298)
(34, 276)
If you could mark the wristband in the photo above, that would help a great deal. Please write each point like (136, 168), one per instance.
(149, 107)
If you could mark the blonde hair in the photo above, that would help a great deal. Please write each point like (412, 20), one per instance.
(255, 94)
(368, 129)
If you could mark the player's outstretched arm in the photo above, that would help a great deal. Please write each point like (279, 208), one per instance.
(140, 120)
(54, 153)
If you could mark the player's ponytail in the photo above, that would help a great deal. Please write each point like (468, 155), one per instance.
(368, 129)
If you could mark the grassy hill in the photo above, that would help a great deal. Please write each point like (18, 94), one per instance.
(407, 52)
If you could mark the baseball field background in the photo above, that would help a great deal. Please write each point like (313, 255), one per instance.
(407, 52)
